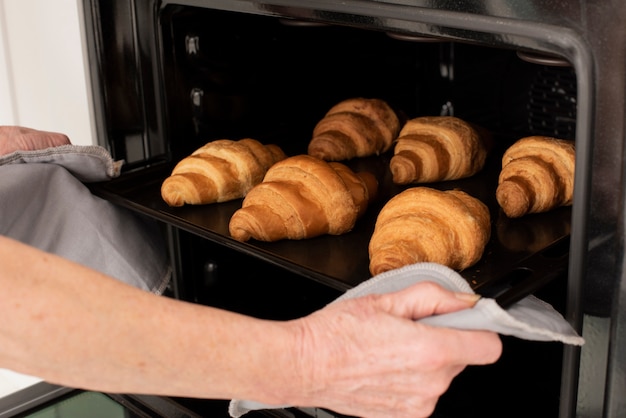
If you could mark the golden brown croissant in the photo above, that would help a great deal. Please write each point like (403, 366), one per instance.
(437, 148)
(219, 171)
(537, 176)
(423, 224)
(356, 127)
(303, 197)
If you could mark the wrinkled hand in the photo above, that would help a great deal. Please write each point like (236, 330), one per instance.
(17, 138)
(367, 357)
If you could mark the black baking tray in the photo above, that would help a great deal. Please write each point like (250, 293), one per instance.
(521, 254)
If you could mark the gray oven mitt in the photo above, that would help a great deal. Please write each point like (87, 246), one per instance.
(529, 319)
(44, 203)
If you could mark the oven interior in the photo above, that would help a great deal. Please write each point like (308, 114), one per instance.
(234, 75)
(226, 74)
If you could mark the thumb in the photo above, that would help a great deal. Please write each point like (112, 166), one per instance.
(425, 299)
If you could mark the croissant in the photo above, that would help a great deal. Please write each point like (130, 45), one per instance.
(303, 197)
(537, 176)
(437, 148)
(219, 171)
(423, 224)
(356, 127)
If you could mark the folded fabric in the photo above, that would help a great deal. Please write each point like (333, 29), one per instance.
(88, 163)
(45, 204)
(529, 319)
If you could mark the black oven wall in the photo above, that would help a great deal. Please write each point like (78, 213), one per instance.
(230, 75)
(211, 274)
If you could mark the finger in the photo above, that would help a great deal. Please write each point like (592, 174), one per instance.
(17, 138)
(464, 348)
(425, 299)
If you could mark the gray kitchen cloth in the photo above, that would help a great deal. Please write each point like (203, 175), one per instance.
(44, 203)
(529, 319)
(88, 163)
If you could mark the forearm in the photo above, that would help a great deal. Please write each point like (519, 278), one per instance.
(70, 325)
(365, 357)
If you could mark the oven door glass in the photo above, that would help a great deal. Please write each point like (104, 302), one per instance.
(85, 404)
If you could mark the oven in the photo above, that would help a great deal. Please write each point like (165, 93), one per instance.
(170, 76)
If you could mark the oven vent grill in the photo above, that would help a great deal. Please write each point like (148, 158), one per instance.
(552, 103)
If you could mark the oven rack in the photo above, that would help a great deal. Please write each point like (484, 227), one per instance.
(519, 251)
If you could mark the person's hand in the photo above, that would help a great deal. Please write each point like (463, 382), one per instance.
(18, 138)
(367, 357)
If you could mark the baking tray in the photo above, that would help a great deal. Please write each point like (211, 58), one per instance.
(521, 252)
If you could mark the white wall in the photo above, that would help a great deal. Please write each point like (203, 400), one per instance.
(43, 84)
(43, 81)
(6, 90)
